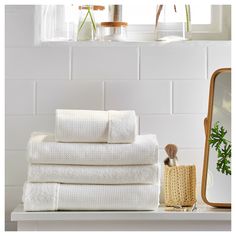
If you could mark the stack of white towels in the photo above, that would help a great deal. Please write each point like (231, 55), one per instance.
(94, 161)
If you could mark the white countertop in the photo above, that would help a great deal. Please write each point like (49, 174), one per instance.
(203, 213)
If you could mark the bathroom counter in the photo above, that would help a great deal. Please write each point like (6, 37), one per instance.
(204, 218)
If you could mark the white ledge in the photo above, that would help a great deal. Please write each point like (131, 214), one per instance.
(131, 43)
(203, 213)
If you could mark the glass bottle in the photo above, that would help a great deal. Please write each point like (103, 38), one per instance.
(87, 27)
(173, 22)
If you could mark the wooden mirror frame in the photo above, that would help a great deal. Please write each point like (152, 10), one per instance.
(207, 126)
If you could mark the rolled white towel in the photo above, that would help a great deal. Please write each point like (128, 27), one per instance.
(75, 174)
(42, 149)
(53, 196)
(95, 126)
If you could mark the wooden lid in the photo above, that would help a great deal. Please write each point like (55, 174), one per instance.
(114, 24)
(94, 7)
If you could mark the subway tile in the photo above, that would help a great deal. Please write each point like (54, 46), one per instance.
(13, 196)
(13, 174)
(141, 96)
(19, 28)
(19, 97)
(186, 131)
(19, 129)
(190, 96)
(37, 63)
(173, 62)
(219, 56)
(51, 95)
(105, 63)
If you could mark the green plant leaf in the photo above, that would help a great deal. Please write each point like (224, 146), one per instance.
(222, 146)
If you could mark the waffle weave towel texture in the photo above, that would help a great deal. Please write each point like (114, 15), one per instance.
(95, 126)
(76, 174)
(94, 161)
(54, 196)
(42, 148)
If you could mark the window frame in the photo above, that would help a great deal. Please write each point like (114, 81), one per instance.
(199, 31)
(140, 33)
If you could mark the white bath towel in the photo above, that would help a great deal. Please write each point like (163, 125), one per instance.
(53, 196)
(95, 126)
(43, 149)
(75, 174)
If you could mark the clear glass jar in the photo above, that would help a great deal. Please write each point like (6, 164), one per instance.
(114, 31)
(173, 22)
(87, 26)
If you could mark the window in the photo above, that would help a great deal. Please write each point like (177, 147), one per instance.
(59, 22)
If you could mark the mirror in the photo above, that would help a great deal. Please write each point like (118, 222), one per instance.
(216, 178)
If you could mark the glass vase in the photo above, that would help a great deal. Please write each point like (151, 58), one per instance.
(173, 22)
(86, 26)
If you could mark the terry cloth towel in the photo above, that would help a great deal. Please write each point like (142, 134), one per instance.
(75, 174)
(53, 196)
(95, 126)
(43, 149)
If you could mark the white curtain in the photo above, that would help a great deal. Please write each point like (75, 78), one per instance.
(58, 22)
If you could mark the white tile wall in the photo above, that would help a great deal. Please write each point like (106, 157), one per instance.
(19, 128)
(219, 56)
(141, 96)
(19, 97)
(39, 63)
(186, 131)
(190, 96)
(15, 160)
(19, 27)
(69, 95)
(170, 97)
(173, 62)
(105, 63)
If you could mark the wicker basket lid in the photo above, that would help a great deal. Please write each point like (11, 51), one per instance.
(114, 24)
(94, 7)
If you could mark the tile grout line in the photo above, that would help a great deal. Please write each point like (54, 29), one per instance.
(35, 99)
(104, 98)
(139, 62)
(172, 98)
(70, 63)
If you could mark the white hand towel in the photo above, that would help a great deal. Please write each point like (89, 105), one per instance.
(75, 174)
(53, 196)
(42, 149)
(95, 126)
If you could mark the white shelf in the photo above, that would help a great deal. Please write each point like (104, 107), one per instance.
(201, 214)
(132, 43)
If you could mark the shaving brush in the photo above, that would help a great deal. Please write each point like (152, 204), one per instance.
(171, 160)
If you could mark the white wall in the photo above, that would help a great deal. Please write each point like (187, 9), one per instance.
(166, 84)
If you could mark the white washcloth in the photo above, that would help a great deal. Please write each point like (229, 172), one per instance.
(75, 174)
(43, 149)
(53, 196)
(95, 126)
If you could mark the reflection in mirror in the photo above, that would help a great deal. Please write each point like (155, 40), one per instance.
(216, 182)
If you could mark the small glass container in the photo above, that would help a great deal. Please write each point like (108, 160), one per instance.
(173, 22)
(87, 26)
(114, 31)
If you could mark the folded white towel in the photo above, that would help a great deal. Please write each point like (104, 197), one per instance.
(53, 196)
(43, 149)
(75, 174)
(95, 126)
